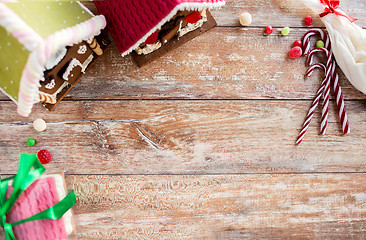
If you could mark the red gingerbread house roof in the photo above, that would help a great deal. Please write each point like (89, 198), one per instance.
(131, 22)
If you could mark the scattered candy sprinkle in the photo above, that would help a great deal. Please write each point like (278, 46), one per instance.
(308, 20)
(297, 43)
(193, 17)
(31, 142)
(269, 30)
(295, 52)
(152, 38)
(44, 156)
(320, 44)
(245, 19)
(285, 31)
(39, 125)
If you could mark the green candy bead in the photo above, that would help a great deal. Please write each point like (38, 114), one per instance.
(285, 31)
(31, 142)
(320, 44)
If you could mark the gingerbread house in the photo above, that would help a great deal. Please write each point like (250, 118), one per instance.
(45, 47)
(149, 28)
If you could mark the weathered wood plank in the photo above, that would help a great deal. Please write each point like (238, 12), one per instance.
(155, 137)
(276, 12)
(238, 64)
(289, 206)
(281, 12)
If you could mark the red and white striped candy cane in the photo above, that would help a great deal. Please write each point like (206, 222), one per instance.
(306, 40)
(328, 73)
(315, 102)
(340, 103)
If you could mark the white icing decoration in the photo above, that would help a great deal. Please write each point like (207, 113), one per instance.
(181, 7)
(54, 95)
(87, 62)
(82, 49)
(89, 40)
(192, 26)
(148, 48)
(74, 62)
(51, 84)
(56, 58)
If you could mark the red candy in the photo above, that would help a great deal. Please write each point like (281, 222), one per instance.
(152, 38)
(297, 43)
(269, 30)
(295, 52)
(44, 156)
(308, 20)
(193, 17)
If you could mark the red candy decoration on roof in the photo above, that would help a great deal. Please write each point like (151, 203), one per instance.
(193, 17)
(152, 38)
(44, 156)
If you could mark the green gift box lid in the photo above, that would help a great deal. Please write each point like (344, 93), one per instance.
(31, 33)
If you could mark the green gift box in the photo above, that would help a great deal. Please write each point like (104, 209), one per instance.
(45, 47)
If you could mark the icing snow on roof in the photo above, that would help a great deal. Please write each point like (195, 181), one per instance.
(131, 22)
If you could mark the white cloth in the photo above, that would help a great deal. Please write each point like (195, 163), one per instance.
(348, 44)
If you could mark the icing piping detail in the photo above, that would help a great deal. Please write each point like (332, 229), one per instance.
(33, 71)
(180, 7)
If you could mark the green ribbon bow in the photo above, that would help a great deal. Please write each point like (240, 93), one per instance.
(24, 178)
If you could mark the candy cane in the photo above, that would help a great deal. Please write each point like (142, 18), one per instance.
(315, 102)
(340, 103)
(306, 40)
(329, 73)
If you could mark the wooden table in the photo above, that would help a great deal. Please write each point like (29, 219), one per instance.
(200, 144)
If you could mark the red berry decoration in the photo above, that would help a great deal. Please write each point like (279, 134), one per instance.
(295, 52)
(269, 30)
(297, 43)
(308, 20)
(44, 156)
(152, 38)
(193, 17)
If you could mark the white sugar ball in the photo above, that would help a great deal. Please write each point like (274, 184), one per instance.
(39, 125)
(245, 19)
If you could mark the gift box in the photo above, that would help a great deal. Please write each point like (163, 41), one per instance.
(150, 28)
(34, 206)
(45, 47)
